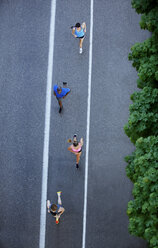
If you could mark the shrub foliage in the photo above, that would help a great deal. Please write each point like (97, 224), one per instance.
(144, 6)
(142, 169)
(143, 119)
(150, 21)
(142, 128)
(145, 59)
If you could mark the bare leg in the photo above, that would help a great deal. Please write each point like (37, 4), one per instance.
(59, 197)
(70, 149)
(81, 42)
(78, 157)
(60, 104)
(80, 45)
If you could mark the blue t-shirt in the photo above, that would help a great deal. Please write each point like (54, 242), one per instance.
(63, 92)
(79, 33)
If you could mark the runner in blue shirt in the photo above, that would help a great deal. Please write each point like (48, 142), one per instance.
(78, 31)
(60, 93)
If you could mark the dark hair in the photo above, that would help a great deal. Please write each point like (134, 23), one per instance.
(59, 88)
(54, 207)
(78, 25)
(75, 143)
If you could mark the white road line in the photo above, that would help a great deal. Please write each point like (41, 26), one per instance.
(47, 127)
(88, 126)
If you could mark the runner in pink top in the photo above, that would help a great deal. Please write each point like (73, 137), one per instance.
(76, 148)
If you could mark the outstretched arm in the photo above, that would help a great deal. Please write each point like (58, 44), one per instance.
(84, 27)
(70, 149)
(66, 94)
(81, 141)
(73, 32)
(48, 205)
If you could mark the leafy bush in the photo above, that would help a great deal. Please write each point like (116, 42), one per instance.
(142, 128)
(150, 21)
(145, 59)
(143, 120)
(142, 169)
(144, 6)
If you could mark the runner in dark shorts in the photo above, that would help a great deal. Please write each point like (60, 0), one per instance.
(76, 148)
(60, 94)
(56, 209)
(78, 31)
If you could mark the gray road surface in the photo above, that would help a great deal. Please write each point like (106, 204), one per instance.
(24, 37)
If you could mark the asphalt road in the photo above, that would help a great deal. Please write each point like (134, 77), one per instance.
(24, 38)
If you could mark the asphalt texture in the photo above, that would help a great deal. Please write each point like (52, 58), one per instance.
(24, 39)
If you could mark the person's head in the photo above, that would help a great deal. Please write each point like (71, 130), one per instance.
(59, 89)
(75, 142)
(78, 25)
(54, 207)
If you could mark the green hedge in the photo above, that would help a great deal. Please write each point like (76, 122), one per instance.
(142, 169)
(143, 119)
(150, 21)
(144, 6)
(142, 128)
(145, 59)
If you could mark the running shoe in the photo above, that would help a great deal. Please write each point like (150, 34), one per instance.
(80, 50)
(60, 110)
(57, 221)
(59, 192)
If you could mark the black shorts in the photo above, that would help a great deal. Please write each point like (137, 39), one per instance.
(80, 37)
(59, 98)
